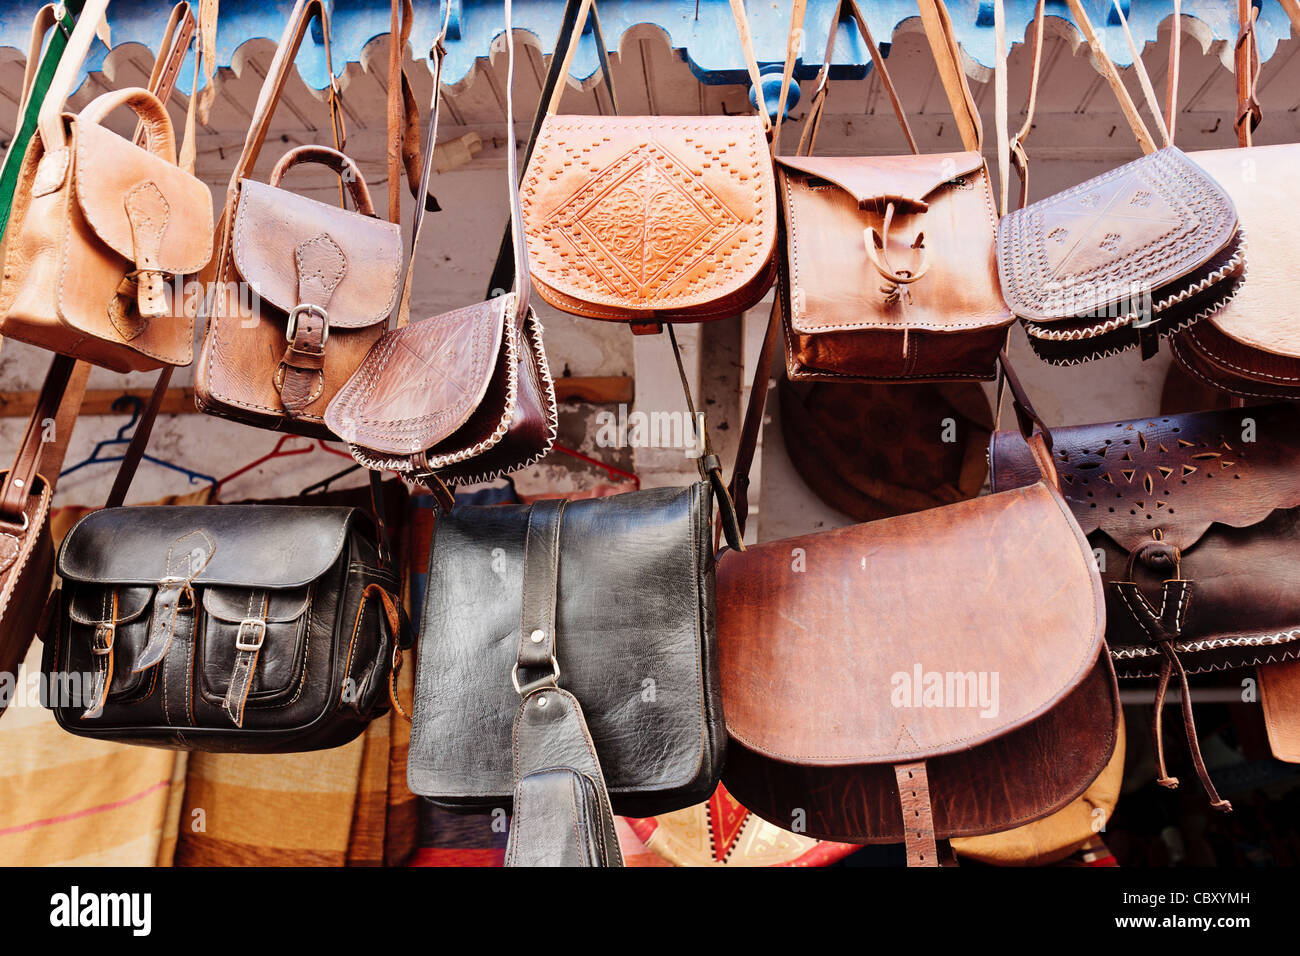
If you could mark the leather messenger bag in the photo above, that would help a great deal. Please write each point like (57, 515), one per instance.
(466, 395)
(1126, 258)
(299, 289)
(1251, 347)
(103, 230)
(926, 676)
(1194, 519)
(890, 259)
(651, 219)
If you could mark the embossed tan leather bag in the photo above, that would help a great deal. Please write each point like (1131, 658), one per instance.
(466, 395)
(102, 232)
(300, 289)
(921, 677)
(1251, 347)
(1126, 258)
(890, 259)
(652, 219)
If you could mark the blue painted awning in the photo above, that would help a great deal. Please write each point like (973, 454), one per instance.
(702, 31)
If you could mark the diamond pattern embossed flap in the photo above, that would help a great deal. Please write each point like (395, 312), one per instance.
(638, 218)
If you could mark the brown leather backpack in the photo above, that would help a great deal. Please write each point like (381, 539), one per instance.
(890, 258)
(299, 289)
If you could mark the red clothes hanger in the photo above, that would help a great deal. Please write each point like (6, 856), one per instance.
(280, 451)
(611, 470)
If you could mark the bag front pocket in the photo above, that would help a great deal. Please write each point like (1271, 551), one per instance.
(256, 640)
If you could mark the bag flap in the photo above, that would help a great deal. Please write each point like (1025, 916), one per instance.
(95, 605)
(1178, 474)
(252, 546)
(233, 605)
(875, 181)
(420, 383)
(1113, 240)
(117, 181)
(273, 224)
(651, 213)
(911, 637)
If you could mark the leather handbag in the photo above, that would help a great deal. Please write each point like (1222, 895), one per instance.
(248, 628)
(1194, 521)
(890, 259)
(466, 395)
(651, 220)
(569, 667)
(925, 676)
(1250, 348)
(1126, 258)
(102, 232)
(323, 279)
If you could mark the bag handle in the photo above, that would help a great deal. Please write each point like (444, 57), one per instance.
(44, 21)
(160, 139)
(947, 55)
(341, 163)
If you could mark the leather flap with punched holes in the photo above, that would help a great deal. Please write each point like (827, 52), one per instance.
(820, 634)
(1108, 241)
(115, 181)
(1179, 474)
(421, 382)
(273, 223)
(249, 546)
(876, 181)
(649, 212)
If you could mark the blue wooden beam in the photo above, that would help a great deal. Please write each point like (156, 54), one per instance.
(700, 30)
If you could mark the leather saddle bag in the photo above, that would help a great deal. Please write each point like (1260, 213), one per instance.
(466, 395)
(1126, 258)
(890, 259)
(1194, 520)
(300, 290)
(101, 234)
(530, 623)
(242, 628)
(647, 220)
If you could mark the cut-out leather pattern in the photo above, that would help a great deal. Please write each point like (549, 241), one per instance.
(1132, 230)
(649, 213)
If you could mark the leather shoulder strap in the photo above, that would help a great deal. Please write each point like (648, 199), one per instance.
(1246, 55)
(943, 44)
(50, 122)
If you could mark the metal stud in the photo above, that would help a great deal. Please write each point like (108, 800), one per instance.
(537, 636)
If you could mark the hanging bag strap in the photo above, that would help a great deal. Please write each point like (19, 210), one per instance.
(943, 44)
(1246, 55)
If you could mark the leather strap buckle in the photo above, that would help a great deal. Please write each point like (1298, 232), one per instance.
(245, 626)
(291, 327)
(550, 680)
(105, 633)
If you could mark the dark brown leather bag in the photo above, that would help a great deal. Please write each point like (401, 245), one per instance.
(1126, 258)
(1251, 347)
(299, 290)
(466, 395)
(931, 675)
(890, 258)
(651, 219)
(1194, 520)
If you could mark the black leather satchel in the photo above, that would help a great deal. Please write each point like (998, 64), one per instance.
(568, 667)
(246, 628)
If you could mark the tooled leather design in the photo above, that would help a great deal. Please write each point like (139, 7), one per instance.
(648, 225)
(1136, 228)
(1179, 474)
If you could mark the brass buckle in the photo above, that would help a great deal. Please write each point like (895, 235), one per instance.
(291, 328)
(250, 623)
(550, 680)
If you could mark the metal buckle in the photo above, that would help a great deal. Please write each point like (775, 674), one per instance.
(179, 584)
(291, 328)
(105, 633)
(250, 623)
(550, 680)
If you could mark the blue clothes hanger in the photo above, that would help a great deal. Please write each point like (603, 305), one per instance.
(123, 438)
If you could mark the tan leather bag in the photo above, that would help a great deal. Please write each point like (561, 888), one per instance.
(1251, 347)
(652, 219)
(103, 232)
(890, 259)
(322, 279)
(466, 395)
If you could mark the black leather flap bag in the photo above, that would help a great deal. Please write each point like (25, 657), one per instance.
(252, 628)
(574, 635)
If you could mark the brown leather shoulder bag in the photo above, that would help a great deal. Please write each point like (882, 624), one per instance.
(890, 258)
(1251, 347)
(1126, 258)
(298, 290)
(651, 219)
(102, 232)
(468, 394)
